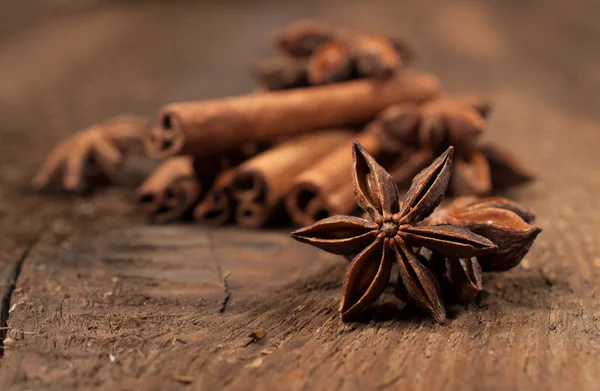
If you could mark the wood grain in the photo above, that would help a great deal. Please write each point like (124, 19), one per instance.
(103, 302)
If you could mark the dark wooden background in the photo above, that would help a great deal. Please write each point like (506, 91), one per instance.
(95, 298)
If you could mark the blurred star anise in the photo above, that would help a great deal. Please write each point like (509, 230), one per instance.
(391, 232)
(92, 155)
(423, 132)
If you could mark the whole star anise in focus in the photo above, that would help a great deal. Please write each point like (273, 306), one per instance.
(390, 234)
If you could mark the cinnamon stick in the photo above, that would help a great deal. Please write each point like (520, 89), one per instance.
(218, 205)
(204, 127)
(170, 191)
(261, 183)
(325, 188)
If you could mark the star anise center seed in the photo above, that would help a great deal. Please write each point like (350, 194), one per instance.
(389, 229)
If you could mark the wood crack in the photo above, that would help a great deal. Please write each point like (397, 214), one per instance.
(226, 289)
(11, 284)
(219, 269)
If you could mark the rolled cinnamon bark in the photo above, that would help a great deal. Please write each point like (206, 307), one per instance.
(218, 205)
(325, 188)
(170, 191)
(261, 183)
(198, 128)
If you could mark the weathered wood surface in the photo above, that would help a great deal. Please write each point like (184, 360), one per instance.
(96, 299)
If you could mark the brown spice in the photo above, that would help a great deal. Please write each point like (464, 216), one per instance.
(466, 276)
(170, 191)
(331, 62)
(336, 52)
(471, 175)
(391, 232)
(217, 207)
(482, 105)
(406, 50)
(92, 155)
(374, 55)
(506, 170)
(436, 125)
(260, 183)
(324, 189)
(209, 127)
(504, 222)
(280, 73)
(421, 132)
(301, 38)
(126, 131)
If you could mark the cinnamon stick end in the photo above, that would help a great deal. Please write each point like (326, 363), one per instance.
(167, 139)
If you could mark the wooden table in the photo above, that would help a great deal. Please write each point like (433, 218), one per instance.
(95, 298)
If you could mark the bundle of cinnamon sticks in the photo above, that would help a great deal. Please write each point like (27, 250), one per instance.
(284, 151)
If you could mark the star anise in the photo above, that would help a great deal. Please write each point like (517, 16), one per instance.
(504, 222)
(390, 233)
(422, 132)
(91, 155)
(456, 121)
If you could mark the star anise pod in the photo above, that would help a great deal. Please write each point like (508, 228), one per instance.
(463, 275)
(92, 155)
(504, 222)
(390, 233)
(422, 132)
(506, 169)
(435, 125)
